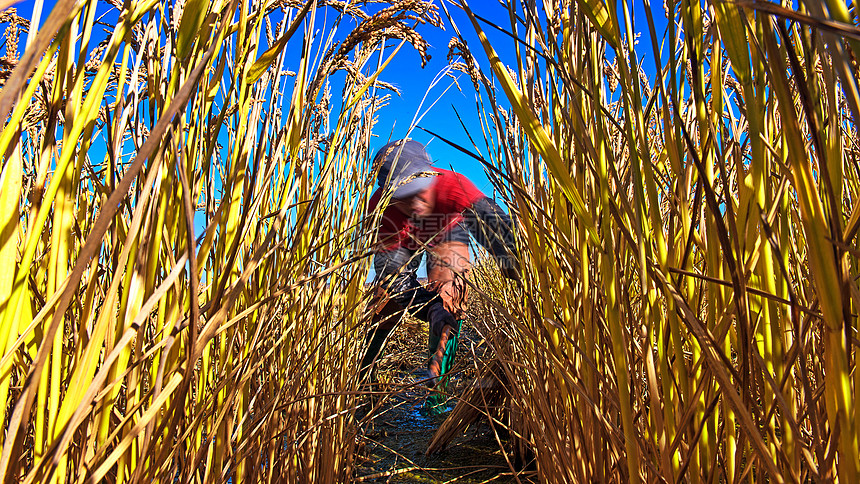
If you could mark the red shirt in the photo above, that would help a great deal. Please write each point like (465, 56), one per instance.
(454, 194)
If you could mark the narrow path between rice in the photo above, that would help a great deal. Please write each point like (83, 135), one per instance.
(394, 442)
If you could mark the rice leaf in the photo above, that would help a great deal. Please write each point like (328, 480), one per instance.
(255, 72)
(193, 16)
(536, 133)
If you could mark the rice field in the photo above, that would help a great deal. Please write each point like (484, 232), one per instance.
(186, 238)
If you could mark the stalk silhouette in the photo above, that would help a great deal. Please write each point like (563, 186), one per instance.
(688, 301)
(183, 238)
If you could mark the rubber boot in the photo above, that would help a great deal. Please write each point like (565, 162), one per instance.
(435, 403)
(448, 356)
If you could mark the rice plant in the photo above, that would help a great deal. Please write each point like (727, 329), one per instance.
(185, 236)
(688, 304)
(183, 242)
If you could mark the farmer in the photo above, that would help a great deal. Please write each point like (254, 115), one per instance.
(431, 211)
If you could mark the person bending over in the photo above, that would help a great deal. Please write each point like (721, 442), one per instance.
(431, 211)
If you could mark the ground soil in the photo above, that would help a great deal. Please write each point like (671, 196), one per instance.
(394, 439)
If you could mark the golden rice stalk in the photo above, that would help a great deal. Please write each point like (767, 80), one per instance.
(700, 287)
(181, 299)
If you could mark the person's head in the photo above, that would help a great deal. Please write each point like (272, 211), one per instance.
(418, 205)
(406, 170)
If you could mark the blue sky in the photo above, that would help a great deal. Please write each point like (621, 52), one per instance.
(413, 81)
(436, 105)
(418, 95)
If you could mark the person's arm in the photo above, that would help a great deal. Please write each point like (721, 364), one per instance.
(493, 229)
(397, 274)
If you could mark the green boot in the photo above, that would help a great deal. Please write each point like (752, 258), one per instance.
(435, 403)
(448, 356)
